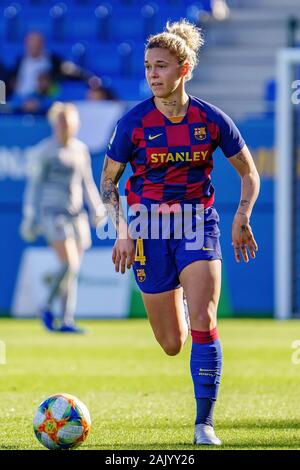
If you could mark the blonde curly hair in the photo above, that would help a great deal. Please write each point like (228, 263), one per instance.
(63, 108)
(181, 38)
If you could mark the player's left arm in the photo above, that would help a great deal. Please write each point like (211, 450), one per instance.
(92, 195)
(242, 235)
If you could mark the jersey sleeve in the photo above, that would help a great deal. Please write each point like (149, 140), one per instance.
(231, 141)
(120, 147)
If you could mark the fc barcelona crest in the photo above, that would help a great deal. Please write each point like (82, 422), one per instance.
(200, 133)
(141, 275)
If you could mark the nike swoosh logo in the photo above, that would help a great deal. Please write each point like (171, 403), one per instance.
(207, 249)
(151, 137)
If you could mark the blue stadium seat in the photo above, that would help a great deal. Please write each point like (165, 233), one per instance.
(103, 15)
(36, 20)
(2, 27)
(62, 49)
(125, 89)
(79, 24)
(123, 59)
(138, 60)
(72, 91)
(103, 59)
(131, 89)
(10, 53)
(74, 51)
(165, 14)
(11, 23)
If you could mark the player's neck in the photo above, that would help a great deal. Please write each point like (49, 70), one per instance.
(173, 105)
(63, 141)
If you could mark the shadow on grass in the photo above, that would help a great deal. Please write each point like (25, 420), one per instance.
(239, 445)
(262, 441)
(261, 424)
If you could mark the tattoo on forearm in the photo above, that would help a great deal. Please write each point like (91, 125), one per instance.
(119, 173)
(115, 176)
(111, 198)
(244, 203)
(110, 193)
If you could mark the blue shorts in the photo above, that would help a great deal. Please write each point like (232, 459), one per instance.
(159, 262)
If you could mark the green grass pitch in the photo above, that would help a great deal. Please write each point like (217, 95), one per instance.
(139, 398)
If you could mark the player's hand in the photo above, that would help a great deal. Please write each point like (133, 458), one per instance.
(123, 254)
(28, 230)
(242, 238)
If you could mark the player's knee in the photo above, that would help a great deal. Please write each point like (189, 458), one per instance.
(205, 318)
(172, 347)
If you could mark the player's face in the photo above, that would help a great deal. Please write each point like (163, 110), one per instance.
(163, 73)
(66, 126)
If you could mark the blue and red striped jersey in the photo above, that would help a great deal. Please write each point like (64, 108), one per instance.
(171, 161)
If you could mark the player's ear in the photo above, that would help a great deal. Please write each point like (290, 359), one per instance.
(184, 69)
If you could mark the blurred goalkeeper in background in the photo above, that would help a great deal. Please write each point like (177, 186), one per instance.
(60, 179)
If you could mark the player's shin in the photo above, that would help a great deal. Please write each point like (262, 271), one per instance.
(56, 286)
(206, 365)
(69, 297)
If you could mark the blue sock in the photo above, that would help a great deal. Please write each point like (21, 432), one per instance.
(205, 409)
(206, 365)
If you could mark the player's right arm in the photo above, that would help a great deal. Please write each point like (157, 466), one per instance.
(123, 251)
(238, 154)
(29, 224)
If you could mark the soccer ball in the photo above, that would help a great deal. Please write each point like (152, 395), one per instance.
(61, 422)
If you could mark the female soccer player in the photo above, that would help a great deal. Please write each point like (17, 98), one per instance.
(60, 177)
(169, 141)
